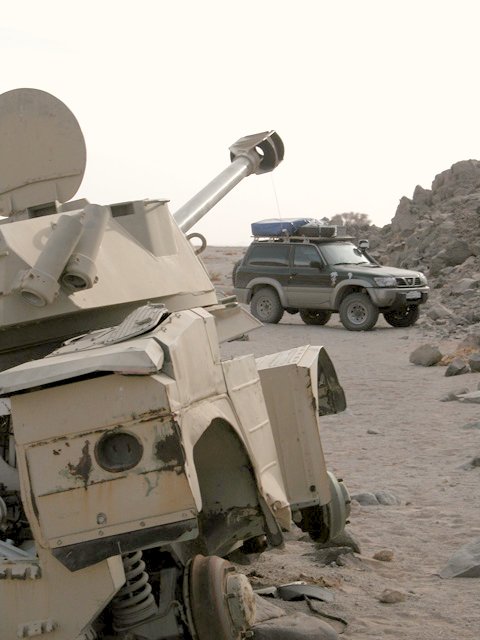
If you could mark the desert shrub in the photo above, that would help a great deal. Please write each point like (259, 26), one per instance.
(357, 224)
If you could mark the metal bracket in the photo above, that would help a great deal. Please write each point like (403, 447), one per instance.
(36, 628)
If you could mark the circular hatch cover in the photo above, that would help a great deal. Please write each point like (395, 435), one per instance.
(42, 151)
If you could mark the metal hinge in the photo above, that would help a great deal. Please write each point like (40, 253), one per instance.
(36, 628)
(20, 572)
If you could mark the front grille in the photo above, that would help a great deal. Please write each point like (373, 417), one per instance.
(408, 282)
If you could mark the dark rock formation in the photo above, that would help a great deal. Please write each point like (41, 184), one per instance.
(437, 231)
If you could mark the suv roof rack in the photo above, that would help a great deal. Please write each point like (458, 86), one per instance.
(301, 239)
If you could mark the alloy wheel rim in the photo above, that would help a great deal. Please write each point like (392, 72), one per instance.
(357, 313)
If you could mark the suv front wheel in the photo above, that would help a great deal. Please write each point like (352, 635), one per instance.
(357, 312)
(266, 306)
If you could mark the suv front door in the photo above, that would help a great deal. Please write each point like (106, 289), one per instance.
(308, 286)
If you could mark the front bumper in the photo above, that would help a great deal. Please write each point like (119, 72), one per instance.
(398, 298)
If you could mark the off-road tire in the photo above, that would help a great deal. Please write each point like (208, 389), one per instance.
(266, 306)
(315, 316)
(234, 271)
(357, 312)
(405, 317)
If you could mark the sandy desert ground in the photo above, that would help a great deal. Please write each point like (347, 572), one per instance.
(396, 435)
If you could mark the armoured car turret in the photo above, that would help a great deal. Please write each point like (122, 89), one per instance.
(132, 458)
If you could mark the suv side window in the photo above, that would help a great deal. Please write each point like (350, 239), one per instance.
(304, 255)
(269, 255)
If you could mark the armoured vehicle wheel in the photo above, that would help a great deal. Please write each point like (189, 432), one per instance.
(326, 522)
(357, 312)
(403, 317)
(220, 601)
(266, 306)
(315, 316)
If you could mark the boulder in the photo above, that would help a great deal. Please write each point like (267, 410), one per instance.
(460, 180)
(464, 285)
(426, 355)
(391, 596)
(331, 554)
(387, 498)
(422, 197)
(472, 397)
(457, 367)
(438, 263)
(404, 218)
(472, 316)
(344, 539)
(473, 337)
(457, 251)
(454, 395)
(473, 464)
(465, 563)
(365, 499)
(439, 311)
(474, 362)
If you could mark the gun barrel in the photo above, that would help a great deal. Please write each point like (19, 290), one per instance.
(258, 153)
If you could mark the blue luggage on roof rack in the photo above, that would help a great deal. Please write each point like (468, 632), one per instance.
(275, 227)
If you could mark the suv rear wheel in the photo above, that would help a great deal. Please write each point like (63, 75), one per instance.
(357, 312)
(315, 316)
(266, 306)
(402, 317)
(234, 271)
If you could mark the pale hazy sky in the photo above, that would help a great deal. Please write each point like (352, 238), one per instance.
(371, 97)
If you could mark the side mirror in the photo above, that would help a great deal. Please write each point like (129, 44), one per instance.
(317, 264)
(363, 245)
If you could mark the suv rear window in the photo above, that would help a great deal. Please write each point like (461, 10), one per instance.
(270, 255)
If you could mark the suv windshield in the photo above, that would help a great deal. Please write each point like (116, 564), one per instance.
(343, 253)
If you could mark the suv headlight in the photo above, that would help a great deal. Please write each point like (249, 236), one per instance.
(423, 279)
(387, 281)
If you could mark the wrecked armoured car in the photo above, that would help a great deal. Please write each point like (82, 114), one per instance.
(132, 458)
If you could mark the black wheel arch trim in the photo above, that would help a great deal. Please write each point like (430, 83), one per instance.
(346, 287)
(259, 283)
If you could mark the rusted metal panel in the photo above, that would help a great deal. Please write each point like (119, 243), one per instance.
(77, 499)
(140, 357)
(193, 356)
(87, 405)
(245, 391)
(54, 596)
(289, 383)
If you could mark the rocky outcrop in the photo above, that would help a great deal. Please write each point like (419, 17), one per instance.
(437, 227)
(437, 231)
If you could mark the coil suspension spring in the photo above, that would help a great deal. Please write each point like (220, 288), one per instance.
(134, 603)
(88, 634)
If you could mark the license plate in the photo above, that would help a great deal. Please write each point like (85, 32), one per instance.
(413, 295)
